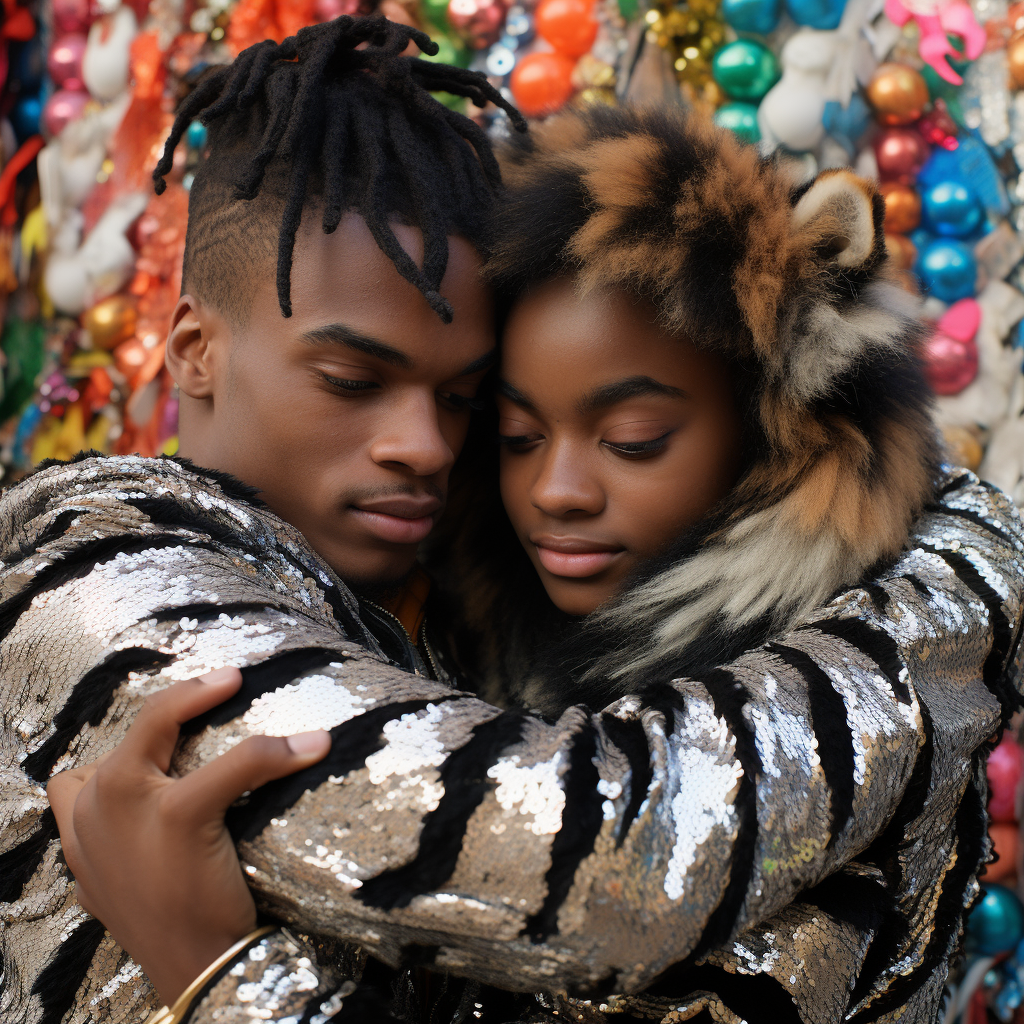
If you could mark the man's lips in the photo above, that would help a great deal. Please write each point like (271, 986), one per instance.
(401, 520)
(574, 557)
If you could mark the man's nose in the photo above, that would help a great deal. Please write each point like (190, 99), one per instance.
(565, 486)
(410, 436)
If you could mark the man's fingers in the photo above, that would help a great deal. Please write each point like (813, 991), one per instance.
(62, 792)
(208, 792)
(154, 733)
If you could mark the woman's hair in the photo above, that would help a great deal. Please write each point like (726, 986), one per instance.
(334, 117)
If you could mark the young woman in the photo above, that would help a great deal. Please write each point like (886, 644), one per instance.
(711, 411)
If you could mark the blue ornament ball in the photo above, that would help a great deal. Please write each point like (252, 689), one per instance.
(823, 14)
(948, 270)
(25, 117)
(760, 16)
(996, 924)
(849, 122)
(196, 135)
(951, 208)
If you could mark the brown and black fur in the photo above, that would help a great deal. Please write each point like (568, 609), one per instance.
(792, 286)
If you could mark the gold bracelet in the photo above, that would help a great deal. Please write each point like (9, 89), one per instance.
(177, 1013)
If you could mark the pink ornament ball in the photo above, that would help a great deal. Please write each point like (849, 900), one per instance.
(1005, 769)
(71, 16)
(62, 107)
(950, 365)
(65, 62)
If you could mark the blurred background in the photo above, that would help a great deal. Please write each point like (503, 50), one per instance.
(924, 96)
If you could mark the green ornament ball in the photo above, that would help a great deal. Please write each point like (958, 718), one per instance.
(436, 12)
(449, 52)
(745, 69)
(741, 119)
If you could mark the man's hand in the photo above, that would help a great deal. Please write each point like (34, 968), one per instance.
(150, 854)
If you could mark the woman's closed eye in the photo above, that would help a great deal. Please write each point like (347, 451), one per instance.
(639, 449)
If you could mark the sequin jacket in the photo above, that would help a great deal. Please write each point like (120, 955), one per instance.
(794, 837)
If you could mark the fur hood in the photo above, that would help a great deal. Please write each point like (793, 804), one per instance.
(792, 285)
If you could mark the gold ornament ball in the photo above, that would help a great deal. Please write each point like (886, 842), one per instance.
(898, 93)
(110, 322)
(902, 207)
(1015, 56)
(964, 448)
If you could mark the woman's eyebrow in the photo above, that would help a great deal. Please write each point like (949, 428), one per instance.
(629, 387)
(513, 394)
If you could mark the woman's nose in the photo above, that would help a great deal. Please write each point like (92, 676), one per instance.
(566, 486)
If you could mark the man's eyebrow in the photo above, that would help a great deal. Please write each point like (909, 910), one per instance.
(629, 387)
(339, 334)
(513, 394)
(485, 362)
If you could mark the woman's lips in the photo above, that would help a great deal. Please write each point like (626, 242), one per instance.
(399, 520)
(574, 557)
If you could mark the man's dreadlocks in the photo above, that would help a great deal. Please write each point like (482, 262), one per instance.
(315, 117)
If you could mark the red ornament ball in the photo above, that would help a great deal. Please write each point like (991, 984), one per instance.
(950, 365)
(542, 82)
(1005, 769)
(568, 25)
(900, 153)
(71, 16)
(1005, 840)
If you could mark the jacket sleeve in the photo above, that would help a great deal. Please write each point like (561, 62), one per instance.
(593, 853)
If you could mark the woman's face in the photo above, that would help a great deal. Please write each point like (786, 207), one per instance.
(616, 436)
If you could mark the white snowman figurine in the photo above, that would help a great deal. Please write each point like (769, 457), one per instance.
(790, 114)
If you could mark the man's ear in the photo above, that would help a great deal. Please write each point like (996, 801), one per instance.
(190, 355)
(844, 215)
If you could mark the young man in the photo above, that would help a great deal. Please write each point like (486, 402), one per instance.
(703, 848)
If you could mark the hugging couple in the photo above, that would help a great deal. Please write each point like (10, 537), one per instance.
(671, 705)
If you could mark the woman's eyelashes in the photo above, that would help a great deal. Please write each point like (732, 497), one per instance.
(634, 450)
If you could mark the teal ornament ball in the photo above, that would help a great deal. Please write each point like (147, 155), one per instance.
(745, 70)
(760, 16)
(741, 119)
(948, 270)
(196, 135)
(822, 14)
(951, 208)
(996, 923)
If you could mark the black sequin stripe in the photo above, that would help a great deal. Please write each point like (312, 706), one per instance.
(313, 1006)
(264, 677)
(77, 564)
(915, 581)
(971, 829)
(582, 817)
(955, 484)
(87, 704)
(973, 517)
(880, 597)
(168, 511)
(730, 696)
(993, 671)
(59, 981)
(873, 642)
(864, 902)
(352, 743)
(832, 730)
(884, 851)
(628, 735)
(465, 781)
(19, 863)
(752, 997)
